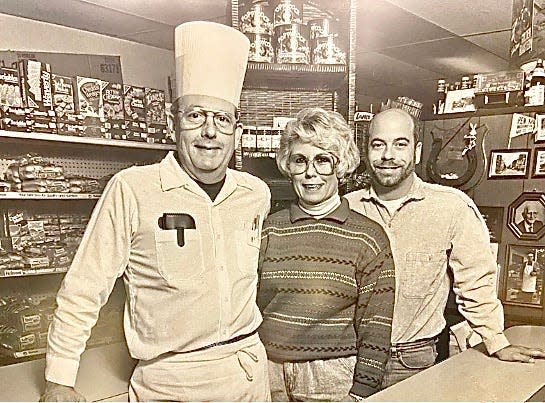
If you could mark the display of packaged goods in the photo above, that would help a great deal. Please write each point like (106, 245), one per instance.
(154, 104)
(10, 89)
(263, 138)
(325, 51)
(11, 340)
(287, 12)
(35, 79)
(46, 186)
(64, 103)
(92, 127)
(89, 97)
(134, 103)
(112, 99)
(292, 44)
(249, 140)
(261, 48)
(256, 17)
(42, 125)
(70, 129)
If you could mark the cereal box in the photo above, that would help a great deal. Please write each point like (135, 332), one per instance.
(89, 97)
(35, 78)
(134, 103)
(63, 96)
(10, 90)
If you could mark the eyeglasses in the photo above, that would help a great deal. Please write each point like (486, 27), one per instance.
(196, 117)
(324, 164)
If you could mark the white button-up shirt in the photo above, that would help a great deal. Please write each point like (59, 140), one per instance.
(179, 298)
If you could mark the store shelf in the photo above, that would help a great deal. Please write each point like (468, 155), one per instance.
(295, 76)
(5, 273)
(486, 112)
(47, 196)
(85, 140)
(22, 354)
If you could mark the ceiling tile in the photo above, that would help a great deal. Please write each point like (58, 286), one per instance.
(462, 17)
(495, 42)
(449, 57)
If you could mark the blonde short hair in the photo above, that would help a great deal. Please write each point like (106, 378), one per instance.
(324, 129)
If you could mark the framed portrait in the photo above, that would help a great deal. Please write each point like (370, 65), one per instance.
(538, 169)
(540, 129)
(523, 275)
(494, 221)
(509, 164)
(526, 215)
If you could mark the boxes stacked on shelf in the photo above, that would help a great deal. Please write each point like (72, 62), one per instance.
(261, 141)
(89, 105)
(114, 117)
(135, 113)
(33, 243)
(64, 104)
(156, 118)
(35, 81)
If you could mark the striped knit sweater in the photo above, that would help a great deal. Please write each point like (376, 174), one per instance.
(327, 291)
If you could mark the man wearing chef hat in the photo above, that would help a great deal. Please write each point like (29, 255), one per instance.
(184, 234)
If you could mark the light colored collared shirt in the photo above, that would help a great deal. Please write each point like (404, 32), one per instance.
(438, 227)
(179, 298)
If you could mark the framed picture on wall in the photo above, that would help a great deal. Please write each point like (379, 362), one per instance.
(526, 216)
(540, 129)
(509, 164)
(523, 275)
(494, 221)
(538, 168)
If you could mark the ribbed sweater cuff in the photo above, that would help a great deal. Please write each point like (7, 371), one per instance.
(359, 389)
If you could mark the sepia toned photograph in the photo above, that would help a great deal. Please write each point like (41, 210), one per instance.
(509, 164)
(524, 271)
(540, 129)
(526, 216)
(538, 168)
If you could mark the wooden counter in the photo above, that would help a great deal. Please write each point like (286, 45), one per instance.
(474, 376)
(104, 374)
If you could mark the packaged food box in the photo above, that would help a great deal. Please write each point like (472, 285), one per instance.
(134, 103)
(89, 97)
(63, 97)
(10, 89)
(35, 79)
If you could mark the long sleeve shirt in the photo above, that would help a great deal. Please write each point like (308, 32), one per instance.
(179, 298)
(327, 291)
(436, 228)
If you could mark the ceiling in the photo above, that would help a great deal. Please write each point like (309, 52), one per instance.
(403, 46)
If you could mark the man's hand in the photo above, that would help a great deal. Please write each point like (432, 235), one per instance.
(519, 353)
(55, 392)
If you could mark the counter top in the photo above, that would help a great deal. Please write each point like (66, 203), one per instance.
(103, 375)
(474, 376)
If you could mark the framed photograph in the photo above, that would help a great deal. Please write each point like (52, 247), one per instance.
(509, 164)
(494, 221)
(540, 129)
(538, 169)
(526, 215)
(460, 101)
(523, 277)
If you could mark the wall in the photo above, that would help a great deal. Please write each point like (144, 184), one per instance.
(141, 64)
(492, 192)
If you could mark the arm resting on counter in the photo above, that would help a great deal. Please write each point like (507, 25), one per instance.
(55, 392)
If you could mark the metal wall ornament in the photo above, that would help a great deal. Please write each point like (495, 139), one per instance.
(457, 161)
(523, 277)
(526, 216)
(509, 164)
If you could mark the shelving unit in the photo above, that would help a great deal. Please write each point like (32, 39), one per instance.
(96, 158)
(281, 90)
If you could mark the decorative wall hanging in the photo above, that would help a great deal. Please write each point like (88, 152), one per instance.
(509, 164)
(457, 161)
(526, 215)
(538, 168)
(523, 275)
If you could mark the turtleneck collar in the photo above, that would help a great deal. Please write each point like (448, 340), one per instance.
(322, 209)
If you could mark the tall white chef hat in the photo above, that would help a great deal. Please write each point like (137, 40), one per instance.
(211, 60)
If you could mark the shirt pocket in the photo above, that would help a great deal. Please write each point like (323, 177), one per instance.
(422, 272)
(248, 238)
(179, 263)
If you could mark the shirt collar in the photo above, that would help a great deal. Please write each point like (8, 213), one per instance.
(172, 175)
(340, 214)
(416, 192)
